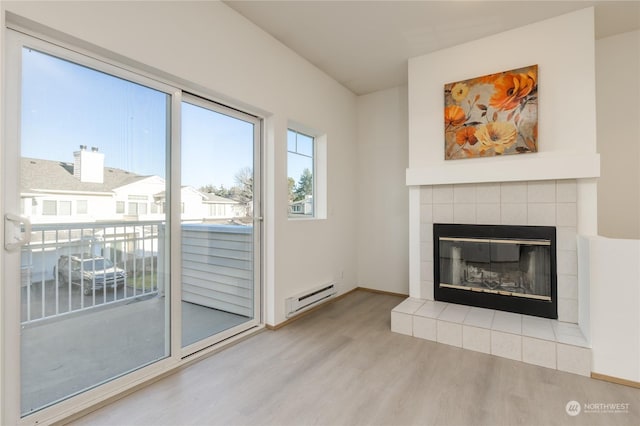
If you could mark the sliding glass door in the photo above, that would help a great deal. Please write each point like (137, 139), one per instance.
(98, 161)
(218, 238)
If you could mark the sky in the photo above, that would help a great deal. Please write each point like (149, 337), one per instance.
(65, 105)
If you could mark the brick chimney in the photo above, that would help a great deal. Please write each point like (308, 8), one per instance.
(88, 166)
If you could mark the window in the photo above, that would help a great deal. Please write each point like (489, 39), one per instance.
(133, 209)
(82, 207)
(49, 208)
(119, 207)
(300, 173)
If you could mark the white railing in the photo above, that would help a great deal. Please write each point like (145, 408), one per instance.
(59, 273)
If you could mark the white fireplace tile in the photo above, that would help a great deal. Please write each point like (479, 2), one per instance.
(424, 328)
(541, 191)
(488, 214)
(506, 345)
(507, 322)
(426, 289)
(408, 306)
(464, 213)
(568, 310)
(513, 214)
(567, 262)
(567, 214)
(476, 339)
(566, 191)
(573, 359)
(443, 213)
(539, 352)
(426, 251)
(488, 193)
(426, 233)
(426, 214)
(479, 317)
(567, 286)
(402, 323)
(426, 270)
(426, 194)
(567, 238)
(541, 214)
(454, 313)
(443, 194)
(449, 333)
(431, 309)
(464, 194)
(513, 192)
(540, 328)
(569, 334)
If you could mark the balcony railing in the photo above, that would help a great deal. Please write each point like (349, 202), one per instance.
(64, 270)
(68, 268)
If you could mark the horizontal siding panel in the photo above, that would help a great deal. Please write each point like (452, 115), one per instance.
(219, 278)
(216, 261)
(219, 244)
(217, 267)
(245, 302)
(244, 290)
(221, 253)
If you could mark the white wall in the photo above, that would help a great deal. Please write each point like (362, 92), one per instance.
(615, 298)
(383, 219)
(221, 54)
(618, 109)
(563, 49)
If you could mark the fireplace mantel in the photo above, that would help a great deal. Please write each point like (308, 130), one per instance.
(526, 167)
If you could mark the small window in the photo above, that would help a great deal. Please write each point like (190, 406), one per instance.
(300, 173)
(133, 209)
(142, 208)
(154, 208)
(119, 207)
(82, 207)
(49, 208)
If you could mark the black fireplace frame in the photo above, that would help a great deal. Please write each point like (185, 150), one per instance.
(527, 306)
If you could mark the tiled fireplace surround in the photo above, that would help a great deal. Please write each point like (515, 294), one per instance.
(549, 343)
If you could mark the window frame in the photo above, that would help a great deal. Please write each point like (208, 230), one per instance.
(319, 171)
(302, 215)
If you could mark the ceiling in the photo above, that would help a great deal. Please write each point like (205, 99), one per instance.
(365, 44)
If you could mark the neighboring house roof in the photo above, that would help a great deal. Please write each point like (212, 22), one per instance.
(47, 175)
(213, 198)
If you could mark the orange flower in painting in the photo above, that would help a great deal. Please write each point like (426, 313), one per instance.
(498, 135)
(466, 135)
(454, 116)
(510, 89)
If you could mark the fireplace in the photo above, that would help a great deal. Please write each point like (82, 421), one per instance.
(509, 268)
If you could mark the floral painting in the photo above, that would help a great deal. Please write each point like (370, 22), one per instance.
(496, 114)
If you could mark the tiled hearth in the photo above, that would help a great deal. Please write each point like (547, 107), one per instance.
(539, 341)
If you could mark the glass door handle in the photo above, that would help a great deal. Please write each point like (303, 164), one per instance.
(12, 239)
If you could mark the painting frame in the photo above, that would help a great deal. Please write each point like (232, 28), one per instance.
(492, 115)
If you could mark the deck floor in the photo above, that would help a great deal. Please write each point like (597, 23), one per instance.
(68, 354)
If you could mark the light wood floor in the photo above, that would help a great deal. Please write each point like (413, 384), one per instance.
(342, 365)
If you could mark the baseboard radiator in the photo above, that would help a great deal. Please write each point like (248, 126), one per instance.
(310, 298)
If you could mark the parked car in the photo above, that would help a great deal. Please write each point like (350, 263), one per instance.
(89, 272)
